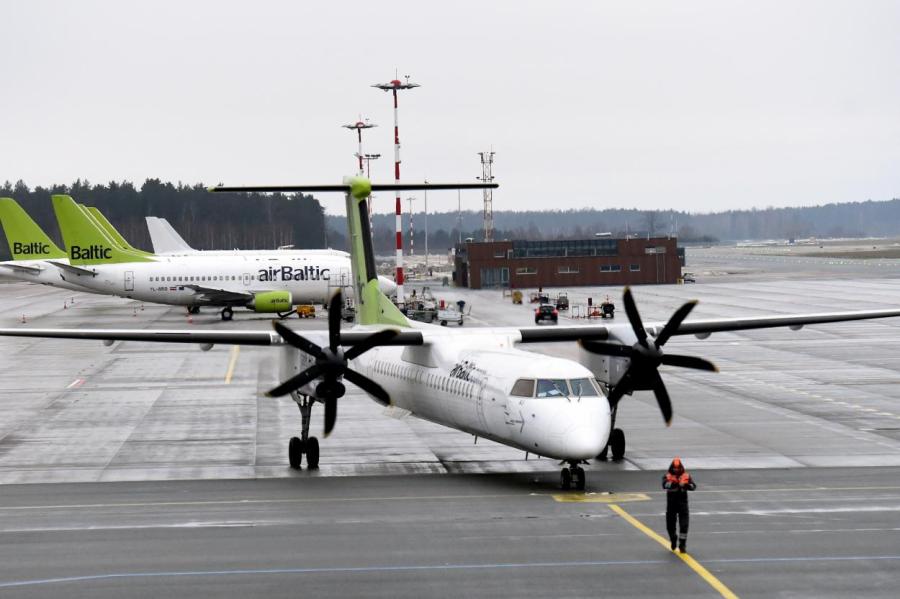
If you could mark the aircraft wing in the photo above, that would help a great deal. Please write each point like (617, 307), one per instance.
(76, 270)
(21, 267)
(219, 296)
(700, 327)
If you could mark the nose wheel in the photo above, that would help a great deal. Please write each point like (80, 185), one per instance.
(227, 313)
(304, 445)
(572, 476)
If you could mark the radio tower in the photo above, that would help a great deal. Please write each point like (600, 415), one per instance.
(395, 86)
(412, 239)
(359, 126)
(487, 161)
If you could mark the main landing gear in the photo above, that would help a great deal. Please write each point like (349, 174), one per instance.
(305, 444)
(193, 309)
(572, 476)
(227, 313)
(616, 442)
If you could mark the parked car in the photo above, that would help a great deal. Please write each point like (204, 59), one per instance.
(688, 278)
(546, 312)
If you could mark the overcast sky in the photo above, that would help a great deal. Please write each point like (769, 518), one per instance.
(694, 105)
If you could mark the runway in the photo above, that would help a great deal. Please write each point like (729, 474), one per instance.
(160, 469)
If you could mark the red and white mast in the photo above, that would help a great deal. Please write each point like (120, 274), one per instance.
(395, 86)
(359, 126)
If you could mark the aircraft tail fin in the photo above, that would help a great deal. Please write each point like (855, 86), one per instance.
(165, 238)
(110, 230)
(86, 241)
(27, 241)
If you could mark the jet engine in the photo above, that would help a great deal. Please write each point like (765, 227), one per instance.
(271, 301)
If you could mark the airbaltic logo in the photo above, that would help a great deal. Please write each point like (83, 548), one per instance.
(34, 248)
(91, 252)
(287, 273)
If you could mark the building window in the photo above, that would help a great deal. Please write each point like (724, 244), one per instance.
(526, 270)
(499, 253)
(610, 268)
(568, 270)
(635, 268)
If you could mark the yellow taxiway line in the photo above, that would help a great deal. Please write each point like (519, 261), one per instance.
(235, 352)
(693, 564)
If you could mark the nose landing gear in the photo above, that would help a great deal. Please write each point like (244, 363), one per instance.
(305, 444)
(572, 475)
(227, 313)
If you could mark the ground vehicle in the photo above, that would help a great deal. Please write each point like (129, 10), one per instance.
(517, 297)
(306, 311)
(546, 312)
(448, 314)
(562, 301)
(607, 309)
(688, 278)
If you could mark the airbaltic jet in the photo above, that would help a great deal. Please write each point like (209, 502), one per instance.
(103, 261)
(31, 249)
(476, 380)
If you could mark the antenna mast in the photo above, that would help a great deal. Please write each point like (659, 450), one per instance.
(487, 161)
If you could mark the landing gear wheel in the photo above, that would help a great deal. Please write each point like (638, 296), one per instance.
(565, 479)
(578, 475)
(602, 455)
(227, 313)
(312, 453)
(193, 310)
(295, 452)
(443, 323)
(617, 444)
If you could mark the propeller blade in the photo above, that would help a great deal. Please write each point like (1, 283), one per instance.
(634, 317)
(330, 414)
(688, 362)
(606, 349)
(334, 321)
(369, 342)
(674, 322)
(662, 396)
(368, 385)
(295, 382)
(297, 341)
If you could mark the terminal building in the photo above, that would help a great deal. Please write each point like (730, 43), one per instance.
(568, 263)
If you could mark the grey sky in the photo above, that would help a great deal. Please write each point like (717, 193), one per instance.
(695, 105)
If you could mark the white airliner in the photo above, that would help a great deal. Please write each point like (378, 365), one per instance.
(473, 380)
(259, 281)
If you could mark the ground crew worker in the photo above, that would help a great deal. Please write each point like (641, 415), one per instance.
(677, 482)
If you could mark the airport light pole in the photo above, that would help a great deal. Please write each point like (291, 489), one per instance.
(395, 86)
(369, 158)
(359, 126)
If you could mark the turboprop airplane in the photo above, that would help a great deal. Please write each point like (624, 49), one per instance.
(31, 248)
(167, 241)
(479, 380)
(104, 262)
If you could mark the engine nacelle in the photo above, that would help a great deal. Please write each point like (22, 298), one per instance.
(271, 301)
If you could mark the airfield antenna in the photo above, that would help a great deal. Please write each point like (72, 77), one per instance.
(487, 161)
(359, 125)
(395, 86)
(412, 249)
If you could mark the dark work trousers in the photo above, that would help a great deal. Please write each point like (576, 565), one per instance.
(683, 518)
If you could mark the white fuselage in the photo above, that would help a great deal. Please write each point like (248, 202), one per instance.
(465, 380)
(172, 280)
(41, 272)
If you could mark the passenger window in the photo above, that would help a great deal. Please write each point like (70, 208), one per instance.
(583, 388)
(523, 388)
(552, 388)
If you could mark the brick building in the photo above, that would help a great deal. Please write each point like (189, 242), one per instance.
(568, 263)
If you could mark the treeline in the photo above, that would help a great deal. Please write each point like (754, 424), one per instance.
(851, 219)
(205, 220)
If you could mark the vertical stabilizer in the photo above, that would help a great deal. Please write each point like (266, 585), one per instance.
(165, 238)
(27, 241)
(113, 233)
(86, 242)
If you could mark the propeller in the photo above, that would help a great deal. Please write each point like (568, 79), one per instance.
(646, 356)
(331, 364)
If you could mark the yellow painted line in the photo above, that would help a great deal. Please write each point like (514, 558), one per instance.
(235, 352)
(694, 565)
(599, 497)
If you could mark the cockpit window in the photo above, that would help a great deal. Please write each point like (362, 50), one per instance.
(552, 388)
(523, 388)
(583, 388)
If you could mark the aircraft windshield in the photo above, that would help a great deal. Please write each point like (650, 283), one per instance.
(583, 388)
(552, 388)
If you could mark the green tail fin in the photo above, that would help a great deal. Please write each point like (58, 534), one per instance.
(104, 224)
(374, 307)
(86, 242)
(27, 241)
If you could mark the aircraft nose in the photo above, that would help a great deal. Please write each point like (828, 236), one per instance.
(587, 438)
